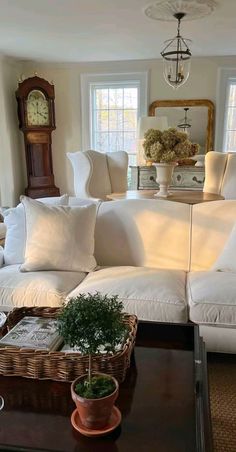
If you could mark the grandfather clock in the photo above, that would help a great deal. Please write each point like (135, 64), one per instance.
(35, 98)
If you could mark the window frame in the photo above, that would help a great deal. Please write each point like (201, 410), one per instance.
(224, 79)
(116, 79)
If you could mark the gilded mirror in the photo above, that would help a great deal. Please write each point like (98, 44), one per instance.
(196, 117)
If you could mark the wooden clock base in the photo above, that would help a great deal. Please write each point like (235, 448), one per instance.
(42, 192)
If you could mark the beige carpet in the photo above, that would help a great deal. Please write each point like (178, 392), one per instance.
(222, 386)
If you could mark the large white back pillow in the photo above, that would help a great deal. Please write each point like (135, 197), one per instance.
(226, 262)
(14, 219)
(58, 237)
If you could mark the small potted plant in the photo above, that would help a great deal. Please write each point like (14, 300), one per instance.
(92, 323)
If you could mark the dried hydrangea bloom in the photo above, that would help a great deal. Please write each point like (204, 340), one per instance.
(156, 152)
(168, 156)
(183, 150)
(152, 135)
(170, 145)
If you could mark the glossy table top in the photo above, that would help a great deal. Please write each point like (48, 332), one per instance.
(157, 402)
(184, 196)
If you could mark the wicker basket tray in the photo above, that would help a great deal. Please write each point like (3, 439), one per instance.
(56, 365)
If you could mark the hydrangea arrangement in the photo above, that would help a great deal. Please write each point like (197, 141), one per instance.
(168, 146)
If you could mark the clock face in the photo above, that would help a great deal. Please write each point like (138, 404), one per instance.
(37, 109)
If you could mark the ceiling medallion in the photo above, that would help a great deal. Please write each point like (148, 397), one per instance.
(193, 9)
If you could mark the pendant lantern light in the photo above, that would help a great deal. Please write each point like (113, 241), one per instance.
(176, 57)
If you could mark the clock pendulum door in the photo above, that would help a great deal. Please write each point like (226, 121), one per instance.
(39, 165)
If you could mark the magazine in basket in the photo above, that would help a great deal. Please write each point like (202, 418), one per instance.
(33, 332)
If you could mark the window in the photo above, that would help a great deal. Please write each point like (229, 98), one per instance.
(111, 106)
(225, 136)
(114, 118)
(229, 143)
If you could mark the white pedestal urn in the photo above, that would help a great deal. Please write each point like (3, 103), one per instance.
(164, 173)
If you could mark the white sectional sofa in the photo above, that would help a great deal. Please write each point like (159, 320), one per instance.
(157, 257)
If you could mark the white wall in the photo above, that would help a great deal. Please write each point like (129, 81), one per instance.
(12, 159)
(202, 83)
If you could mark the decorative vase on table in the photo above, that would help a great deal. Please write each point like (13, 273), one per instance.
(164, 173)
(164, 149)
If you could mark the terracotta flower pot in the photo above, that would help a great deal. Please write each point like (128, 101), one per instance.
(94, 413)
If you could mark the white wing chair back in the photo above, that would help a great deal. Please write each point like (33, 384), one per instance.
(220, 169)
(228, 189)
(97, 174)
(117, 167)
(215, 163)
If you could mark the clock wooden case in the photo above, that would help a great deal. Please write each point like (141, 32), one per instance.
(35, 98)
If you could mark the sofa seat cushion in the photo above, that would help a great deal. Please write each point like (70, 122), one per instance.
(151, 294)
(212, 297)
(43, 288)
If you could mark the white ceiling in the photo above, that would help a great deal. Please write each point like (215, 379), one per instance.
(105, 30)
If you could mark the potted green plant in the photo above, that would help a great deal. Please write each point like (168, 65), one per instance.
(91, 323)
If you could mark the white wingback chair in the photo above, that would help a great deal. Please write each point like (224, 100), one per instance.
(97, 174)
(220, 174)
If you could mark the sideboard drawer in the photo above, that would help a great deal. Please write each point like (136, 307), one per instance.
(188, 177)
(184, 177)
(147, 178)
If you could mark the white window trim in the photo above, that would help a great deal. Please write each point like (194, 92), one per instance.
(94, 79)
(223, 80)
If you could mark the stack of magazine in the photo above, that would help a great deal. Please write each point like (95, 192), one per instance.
(34, 332)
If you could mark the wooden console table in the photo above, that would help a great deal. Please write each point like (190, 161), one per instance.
(185, 196)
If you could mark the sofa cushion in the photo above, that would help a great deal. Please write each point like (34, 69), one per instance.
(212, 297)
(48, 288)
(58, 237)
(143, 233)
(14, 219)
(151, 294)
(226, 260)
(212, 223)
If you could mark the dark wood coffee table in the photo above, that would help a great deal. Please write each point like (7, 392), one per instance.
(164, 402)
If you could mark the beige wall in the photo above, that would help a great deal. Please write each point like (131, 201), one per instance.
(67, 136)
(11, 150)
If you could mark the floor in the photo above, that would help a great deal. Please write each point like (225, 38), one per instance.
(222, 386)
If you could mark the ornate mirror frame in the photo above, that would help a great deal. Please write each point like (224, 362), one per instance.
(191, 103)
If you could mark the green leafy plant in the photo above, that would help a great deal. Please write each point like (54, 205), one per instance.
(89, 322)
(99, 386)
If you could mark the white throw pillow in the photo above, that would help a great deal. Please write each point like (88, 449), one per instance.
(58, 237)
(55, 200)
(226, 262)
(14, 219)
